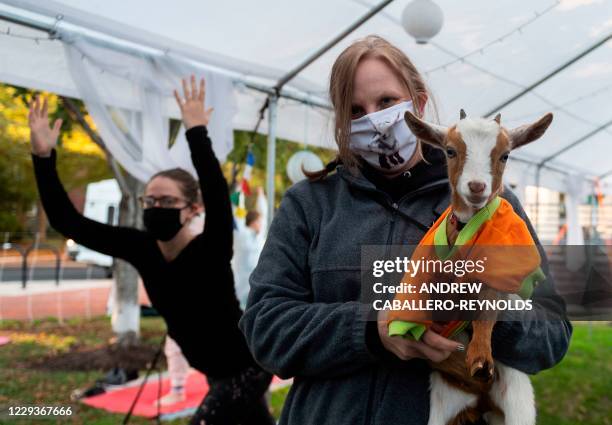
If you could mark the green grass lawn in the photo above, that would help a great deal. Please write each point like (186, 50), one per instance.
(21, 385)
(576, 392)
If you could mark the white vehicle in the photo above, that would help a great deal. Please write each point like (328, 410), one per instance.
(101, 204)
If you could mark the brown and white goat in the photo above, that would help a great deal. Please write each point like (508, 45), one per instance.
(466, 386)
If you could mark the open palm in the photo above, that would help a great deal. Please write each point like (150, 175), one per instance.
(192, 105)
(43, 137)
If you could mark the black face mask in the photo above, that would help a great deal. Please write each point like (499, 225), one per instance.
(162, 223)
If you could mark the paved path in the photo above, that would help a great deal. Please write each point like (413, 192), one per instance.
(40, 299)
(41, 266)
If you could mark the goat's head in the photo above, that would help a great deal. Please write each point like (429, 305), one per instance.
(476, 154)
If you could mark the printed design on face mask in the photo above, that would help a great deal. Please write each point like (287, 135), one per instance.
(395, 159)
(386, 145)
(383, 139)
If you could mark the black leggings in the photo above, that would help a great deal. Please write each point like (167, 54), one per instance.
(236, 400)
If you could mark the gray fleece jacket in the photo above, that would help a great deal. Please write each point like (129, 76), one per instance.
(304, 318)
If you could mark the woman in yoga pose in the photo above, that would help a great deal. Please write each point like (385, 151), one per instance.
(187, 276)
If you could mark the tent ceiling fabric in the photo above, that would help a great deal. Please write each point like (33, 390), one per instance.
(267, 38)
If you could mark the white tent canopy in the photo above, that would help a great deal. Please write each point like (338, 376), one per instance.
(486, 53)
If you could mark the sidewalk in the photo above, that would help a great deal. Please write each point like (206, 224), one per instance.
(40, 299)
(39, 259)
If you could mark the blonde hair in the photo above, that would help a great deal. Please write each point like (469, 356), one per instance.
(341, 91)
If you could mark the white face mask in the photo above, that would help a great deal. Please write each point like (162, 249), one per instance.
(383, 138)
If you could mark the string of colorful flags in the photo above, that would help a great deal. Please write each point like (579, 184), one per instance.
(243, 189)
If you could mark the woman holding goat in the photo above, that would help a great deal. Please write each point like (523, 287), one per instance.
(305, 319)
(187, 275)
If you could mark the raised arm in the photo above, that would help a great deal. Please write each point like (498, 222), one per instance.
(218, 226)
(534, 340)
(62, 215)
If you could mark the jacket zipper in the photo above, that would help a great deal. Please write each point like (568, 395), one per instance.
(369, 417)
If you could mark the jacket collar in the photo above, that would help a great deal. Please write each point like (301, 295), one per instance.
(411, 210)
(356, 179)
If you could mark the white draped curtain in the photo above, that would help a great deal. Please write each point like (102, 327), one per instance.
(130, 100)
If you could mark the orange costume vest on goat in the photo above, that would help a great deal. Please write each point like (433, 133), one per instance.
(496, 238)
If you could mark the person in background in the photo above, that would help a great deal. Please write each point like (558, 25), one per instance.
(187, 275)
(178, 369)
(178, 366)
(249, 239)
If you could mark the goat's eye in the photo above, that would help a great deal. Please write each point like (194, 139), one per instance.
(451, 153)
(504, 157)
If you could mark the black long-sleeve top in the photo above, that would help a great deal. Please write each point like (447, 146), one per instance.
(194, 292)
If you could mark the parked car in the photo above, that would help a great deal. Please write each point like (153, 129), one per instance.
(101, 204)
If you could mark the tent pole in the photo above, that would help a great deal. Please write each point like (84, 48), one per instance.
(295, 94)
(302, 97)
(277, 90)
(606, 174)
(543, 162)
(576, 142)
(271, 157)
(25, 23)
(535, 163)
(323, 49)
(537, 200)
(549, 75)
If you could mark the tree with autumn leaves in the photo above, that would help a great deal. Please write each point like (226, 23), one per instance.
(80, 161)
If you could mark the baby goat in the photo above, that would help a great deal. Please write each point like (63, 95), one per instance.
(478, 224)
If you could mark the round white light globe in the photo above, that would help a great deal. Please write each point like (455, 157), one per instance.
(310, 161)
(422, 19)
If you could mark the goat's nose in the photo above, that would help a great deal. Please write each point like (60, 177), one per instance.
(477, 187)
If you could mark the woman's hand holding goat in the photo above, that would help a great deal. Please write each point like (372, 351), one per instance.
(431, 346)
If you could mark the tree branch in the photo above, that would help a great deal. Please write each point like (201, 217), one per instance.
(77, 116)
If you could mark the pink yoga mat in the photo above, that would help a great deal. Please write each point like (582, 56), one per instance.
(120, 399)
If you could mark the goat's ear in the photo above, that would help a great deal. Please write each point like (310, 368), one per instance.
(524, 134)
(429, 133)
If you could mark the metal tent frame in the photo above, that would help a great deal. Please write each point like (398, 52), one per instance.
(273, 99)
(542, 164)
(278, 91)
(274, 93)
